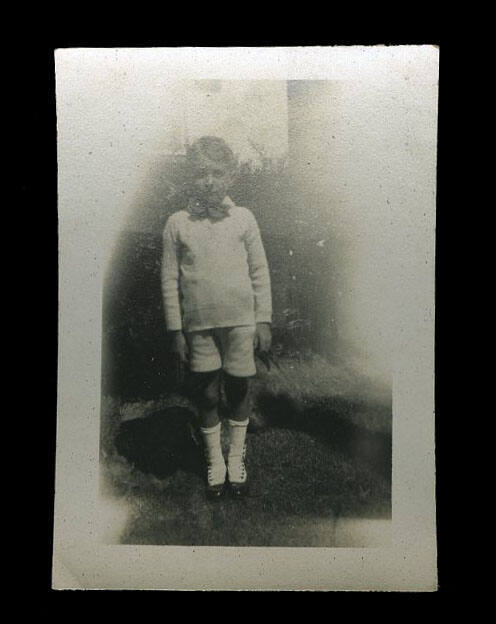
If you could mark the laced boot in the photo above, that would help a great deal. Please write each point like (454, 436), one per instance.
(237, 474)
(216, 467)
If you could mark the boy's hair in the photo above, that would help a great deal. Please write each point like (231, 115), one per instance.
(211, 147)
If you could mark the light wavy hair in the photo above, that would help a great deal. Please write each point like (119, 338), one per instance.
(213, 148)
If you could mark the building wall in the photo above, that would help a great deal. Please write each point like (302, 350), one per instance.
(363, 158)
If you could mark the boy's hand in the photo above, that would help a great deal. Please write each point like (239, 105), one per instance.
(179, 346)
(263, 337)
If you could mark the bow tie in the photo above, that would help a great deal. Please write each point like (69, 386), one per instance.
(214, 212)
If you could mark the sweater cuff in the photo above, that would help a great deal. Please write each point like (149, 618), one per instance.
(263, 317)
(174, 325)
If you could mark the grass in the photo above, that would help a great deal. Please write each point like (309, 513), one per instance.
(319, 449)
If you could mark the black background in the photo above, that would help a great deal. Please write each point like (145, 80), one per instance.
(37, 365)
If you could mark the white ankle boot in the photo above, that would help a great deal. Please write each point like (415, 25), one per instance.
(236, 468)
(216, 467)
(216, 474)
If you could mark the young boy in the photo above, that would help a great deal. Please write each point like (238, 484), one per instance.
(217, 301)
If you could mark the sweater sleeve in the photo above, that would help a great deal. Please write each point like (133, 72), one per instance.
(170, 278)
(259, 272)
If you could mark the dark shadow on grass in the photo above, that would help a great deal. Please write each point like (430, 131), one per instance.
(160, 444)
(330, 420)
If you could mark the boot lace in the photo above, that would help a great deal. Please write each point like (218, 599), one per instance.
(216, 472)
(236, 468)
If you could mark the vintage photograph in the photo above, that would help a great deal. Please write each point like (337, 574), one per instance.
(257, 242)
(241, 406)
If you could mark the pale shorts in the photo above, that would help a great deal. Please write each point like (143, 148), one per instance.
(229, 348)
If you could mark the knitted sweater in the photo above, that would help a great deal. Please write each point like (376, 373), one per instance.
(214, 271)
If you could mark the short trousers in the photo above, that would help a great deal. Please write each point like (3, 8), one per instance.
(229, 348)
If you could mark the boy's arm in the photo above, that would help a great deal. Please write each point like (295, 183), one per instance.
(170, 295)
(170, 278)
(259, 272)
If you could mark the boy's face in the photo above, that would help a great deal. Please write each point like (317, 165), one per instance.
(210, 180)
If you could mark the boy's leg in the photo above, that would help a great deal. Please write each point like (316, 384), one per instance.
(239, 366)
(205, 393)
(204, 363)
(238, 398)
(206, 397)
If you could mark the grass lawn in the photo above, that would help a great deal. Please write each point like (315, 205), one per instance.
(319, 453)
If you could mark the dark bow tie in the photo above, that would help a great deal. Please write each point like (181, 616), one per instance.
(214, 212)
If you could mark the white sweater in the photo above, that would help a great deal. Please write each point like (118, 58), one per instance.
(214, 271)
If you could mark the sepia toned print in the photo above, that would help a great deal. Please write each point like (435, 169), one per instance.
(261, 247)
(318, 447)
